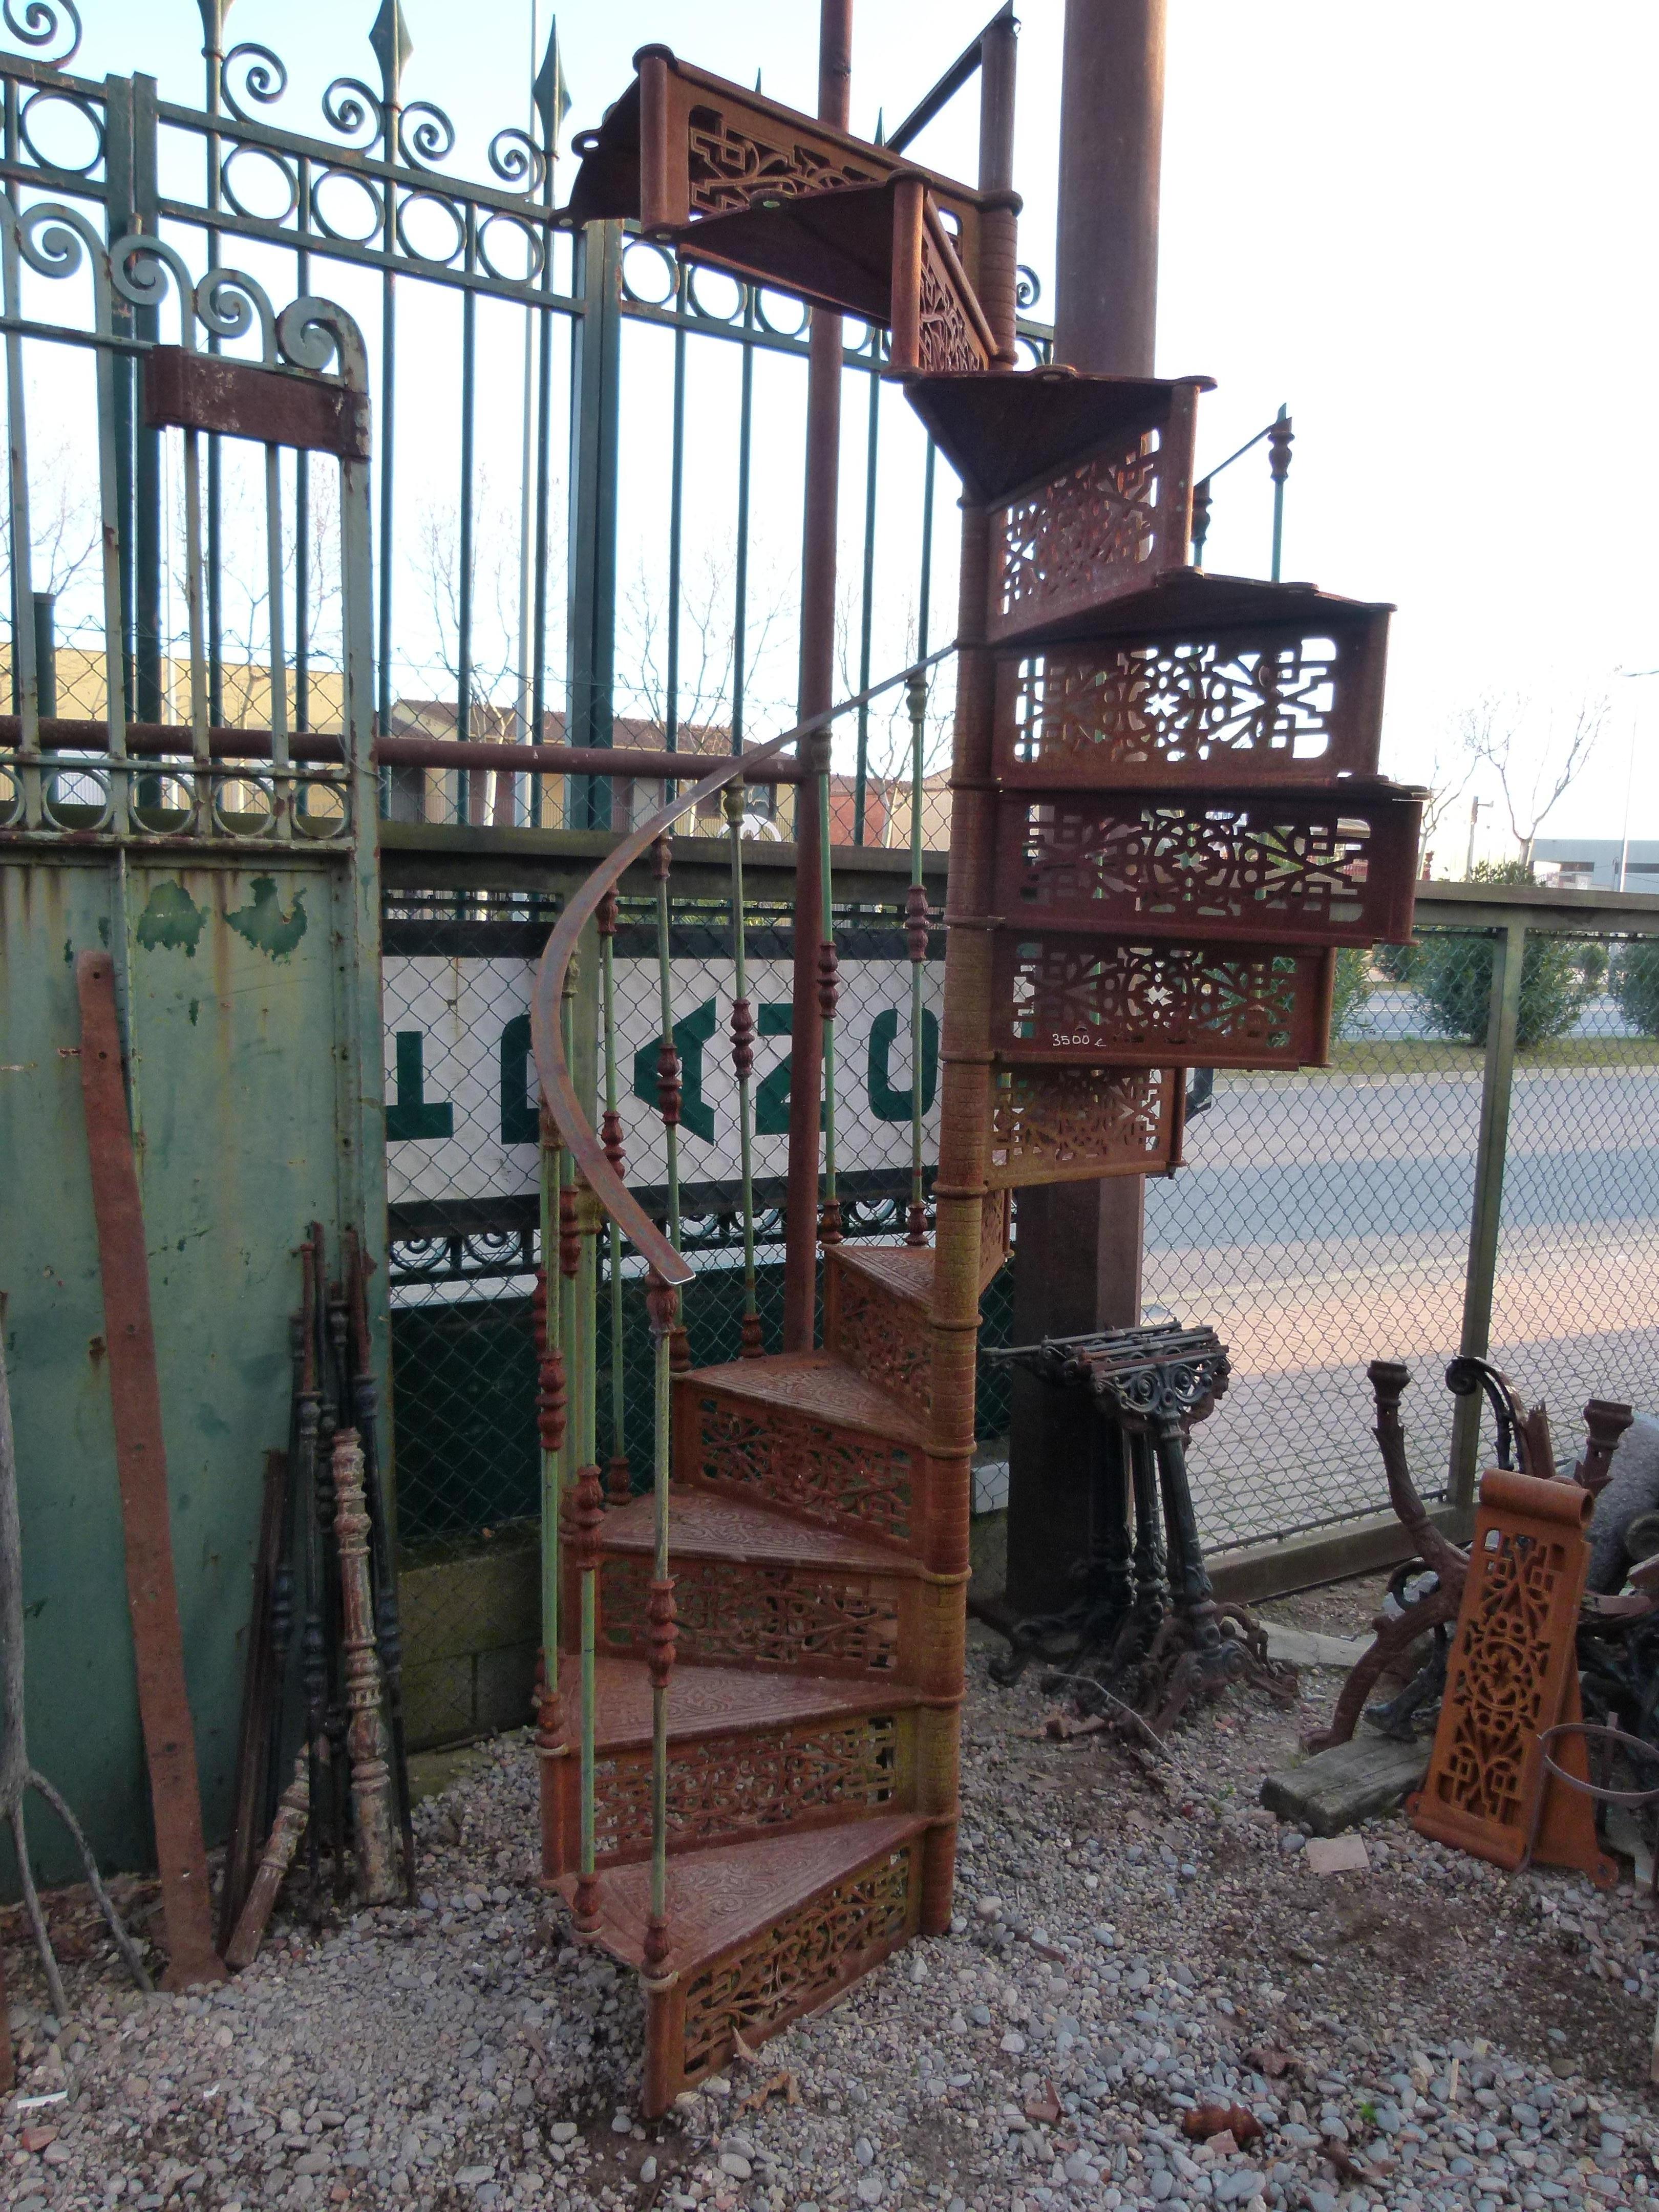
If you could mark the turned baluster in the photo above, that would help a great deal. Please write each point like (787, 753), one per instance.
(551, 1402)
(668, 1071)
(742, 1066)
(662, 1304)
(619, 1478)
(373, 1831)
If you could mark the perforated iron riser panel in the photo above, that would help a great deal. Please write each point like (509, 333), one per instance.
(1271, 706)
(1065, 1124)
(769, 1455)
(759, 1986)
(882, 1337)
(1136, 1001)
(812, 1620)
(744, 1788)
(1308, 870)
(1104, 526)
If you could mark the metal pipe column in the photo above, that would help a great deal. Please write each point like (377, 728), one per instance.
(816, 693)
(1078, 1262)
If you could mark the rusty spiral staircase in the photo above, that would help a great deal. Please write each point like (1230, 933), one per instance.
(1165, 818)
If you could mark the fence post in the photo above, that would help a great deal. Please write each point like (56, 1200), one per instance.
(1502, 1022)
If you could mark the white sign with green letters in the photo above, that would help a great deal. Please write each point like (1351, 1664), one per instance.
(459, 1086)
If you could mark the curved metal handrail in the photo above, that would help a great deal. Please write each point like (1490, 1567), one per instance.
(546, 1035)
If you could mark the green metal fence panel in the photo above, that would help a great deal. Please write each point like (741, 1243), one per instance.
(231, 1011)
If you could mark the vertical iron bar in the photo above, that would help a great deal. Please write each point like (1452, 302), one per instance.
(283, 790)
(675, 529)
(119, 220)
(1279, 441)
(464, 607)
(743, 1062)
(663, 1304)
(194, 597)
(815, 695)
(551, 1413)
(146, 470)
(594, 452)
(537, 731)
(387, 426)
(866, 609)
(916, 930)
(925, 590)
(668, 1058)
(1497, 1088)
(213, 58)
(302, 496)
(26, 681)
(830, 1220)
(619, 1475)
(740, 593)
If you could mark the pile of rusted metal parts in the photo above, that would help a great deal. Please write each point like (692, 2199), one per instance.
(325, 1541)
(1145, 1634)
(1543, 1693)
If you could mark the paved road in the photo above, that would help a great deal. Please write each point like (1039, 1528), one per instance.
(1323, 1221)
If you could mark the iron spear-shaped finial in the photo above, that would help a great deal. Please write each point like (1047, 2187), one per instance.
(549, 93)
(392, 47)
(213, 13)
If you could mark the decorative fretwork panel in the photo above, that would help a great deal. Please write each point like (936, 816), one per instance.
(1132, 1002)
(1265, 707)
(802, 1958)
(1066, 1124)
(948, 339)
(1497, 1687)
(731, 168)
(1091, 531)
(1329, 871)
(838, 1478)
(760, 1616)
(736, 1788)
(885, 1338)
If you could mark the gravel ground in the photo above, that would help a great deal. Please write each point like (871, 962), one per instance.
(1135, 1938)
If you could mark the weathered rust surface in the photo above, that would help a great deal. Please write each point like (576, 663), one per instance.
(141, 1466)
(275, 1862)
(261, 1697)
(240, 399)
(373, 1828)
(1513, 1674)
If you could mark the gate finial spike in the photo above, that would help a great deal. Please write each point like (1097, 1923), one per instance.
(391, 46)
(550, 92)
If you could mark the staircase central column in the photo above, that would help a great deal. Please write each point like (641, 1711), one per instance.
(817, 692)
(1078, 1259)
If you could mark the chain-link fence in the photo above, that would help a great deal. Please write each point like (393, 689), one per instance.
(1324, 1220)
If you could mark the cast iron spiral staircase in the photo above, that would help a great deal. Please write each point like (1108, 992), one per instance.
(1165, 818)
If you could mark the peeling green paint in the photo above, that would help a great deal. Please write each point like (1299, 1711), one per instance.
(69, 952)
(171, 922)
(265, 925)
(195, 1009)
(103, 931)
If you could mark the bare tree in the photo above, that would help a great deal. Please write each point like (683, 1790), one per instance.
(1448, 780)
(706, 674)
(1495, 736)
(493, 640)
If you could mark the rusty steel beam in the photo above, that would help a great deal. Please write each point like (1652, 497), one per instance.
(240, 399)
(141, 1472)
(817, 692)
(156, 739)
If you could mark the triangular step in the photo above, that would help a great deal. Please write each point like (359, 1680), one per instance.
(752, 1754)
(700, 1527)
(762, 1933)
(710, 1701)
(801, 1431)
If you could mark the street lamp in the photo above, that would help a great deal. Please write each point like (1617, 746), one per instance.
(1631, 676)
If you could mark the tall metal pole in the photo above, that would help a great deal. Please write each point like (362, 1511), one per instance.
(1078, 1252)
(816, 693)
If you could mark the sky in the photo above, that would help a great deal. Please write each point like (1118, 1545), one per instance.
(1424, 227)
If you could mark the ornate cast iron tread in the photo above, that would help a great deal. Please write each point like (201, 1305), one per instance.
(715, 1701)
(814, 1383)
(903, 1271)
(700, 1527)
(721, 1897)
